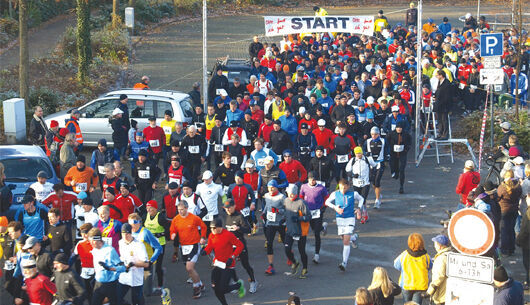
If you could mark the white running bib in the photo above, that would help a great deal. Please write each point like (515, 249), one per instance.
(101, 169)
(167, 130)
(233, 160)
(144, 174)
(261, 162)
(107, 240)
(87, 273)
(342, 158)
(315, 214)
(218, 147)
(193, 149)
(154, 143)
(245, 212)
(271, 216)
(399, 148)
(174, 180)
(219, 264)
(321, 183)
(81, 187)
(208, 217)
(186, 249)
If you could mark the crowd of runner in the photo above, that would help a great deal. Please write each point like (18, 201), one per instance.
(314, 129)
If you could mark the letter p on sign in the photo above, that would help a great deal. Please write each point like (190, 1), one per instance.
(491, 44)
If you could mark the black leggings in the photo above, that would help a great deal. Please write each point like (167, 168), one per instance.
(270, 233)
(220, 283)
(526, 263)
(245, 263)
(397, 166)
(301, 249)
(158, 267)
(102, 290)
(316, 226)
(363, 191)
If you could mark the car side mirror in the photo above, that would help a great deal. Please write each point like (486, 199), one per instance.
(11, 186)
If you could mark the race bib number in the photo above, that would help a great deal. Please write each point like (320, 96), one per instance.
(271, 216)
(87, 273)
(101, 169)
(8, 265)
(245, 212)
(167, 130)
(256, 194)
(193, 149)
(315, 214)
(154, 143)
(321, 183)
(342, 158)
(461, 86)
(81, 187)
(107, 240)
(174, 180)
(261, 162)
(305, 150)
(393, 126)
(399, 148)
(325, 105)
(219, 264)
(233, 160)
(144, 174)
(218, 147)
(208, 217)
(225, 189)
(186, 249)
(279, 158)
(358, 181)
(247, 143)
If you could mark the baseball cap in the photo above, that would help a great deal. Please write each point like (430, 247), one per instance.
(272, 183)
(370, 100)
(506, 125)
(249, 164)
(27, 199)
(29, 263)
(441, 239)
(152, 118)
(321, 122)
(358, 150)
(229, 203)
(126, 228)
(469, 164)
(395, 108)
(207, 175)
(82, 195)
(42, 174)
(30, 242)
(303, 126)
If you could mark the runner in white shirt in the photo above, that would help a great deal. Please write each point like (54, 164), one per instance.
(134, 257)
(42, 188)
(210, 193)
(84, 213)
(195, 204)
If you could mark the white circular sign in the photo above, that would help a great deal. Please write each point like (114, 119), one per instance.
(471, 232)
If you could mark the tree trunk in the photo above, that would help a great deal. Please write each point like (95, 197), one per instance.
(23, 67)
(115, 7)
(84, 48)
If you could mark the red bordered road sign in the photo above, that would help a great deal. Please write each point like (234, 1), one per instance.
(471, 232)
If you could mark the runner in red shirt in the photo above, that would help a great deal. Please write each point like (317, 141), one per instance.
(62, 200)
(39, 288)
(266, 128)
(293, 169)
(155, 136)
(127, 203)
(83, 250)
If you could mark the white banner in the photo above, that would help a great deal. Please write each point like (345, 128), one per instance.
(283, 25)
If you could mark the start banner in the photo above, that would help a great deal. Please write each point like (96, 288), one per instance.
(284, 25)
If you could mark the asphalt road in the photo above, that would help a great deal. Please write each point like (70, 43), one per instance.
(172, 58)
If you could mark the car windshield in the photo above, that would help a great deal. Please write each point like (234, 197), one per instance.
(25, 169)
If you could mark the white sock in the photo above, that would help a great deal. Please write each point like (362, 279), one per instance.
(345, 254)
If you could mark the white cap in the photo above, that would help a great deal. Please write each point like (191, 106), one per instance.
(506, 125)
(249, 163)
(301, 109)
(222, 92)
(469, 164)
(395, 108)
(292, 189)
(117, 111)
(344, 75)
(207, 175)
(269, 159)
(29, 263)
(321, 122)
(518, 160)
(468, 15)
(370, 100)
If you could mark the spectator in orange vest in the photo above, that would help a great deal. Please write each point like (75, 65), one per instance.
(142, 85)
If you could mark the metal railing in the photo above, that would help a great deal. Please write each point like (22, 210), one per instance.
(503, 20)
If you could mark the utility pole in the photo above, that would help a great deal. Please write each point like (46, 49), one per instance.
(205, 55)
(419, 72)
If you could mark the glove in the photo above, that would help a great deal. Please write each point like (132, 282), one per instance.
(229, 262)
(82, 218)
(105, 266)
(203, 252)
(356, 176)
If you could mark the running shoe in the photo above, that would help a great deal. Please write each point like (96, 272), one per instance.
(324, 228)
(303, 275)
(353, 241)
(342, 267)
(196, 292)
(294, 268)
(253, 287)
(189, 281)
(316, 259)
(270, 270)
(242, 291)
(377, 204)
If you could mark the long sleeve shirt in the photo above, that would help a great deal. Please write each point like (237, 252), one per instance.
(145, 236)
(110, 258)
(223, 246)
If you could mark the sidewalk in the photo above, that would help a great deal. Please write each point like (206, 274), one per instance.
(42, 40)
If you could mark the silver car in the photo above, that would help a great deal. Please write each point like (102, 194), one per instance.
(94, 120)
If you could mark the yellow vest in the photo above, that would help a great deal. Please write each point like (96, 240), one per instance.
(276, 113)
(210, 123)
(380, 24)
(169, 127)
(155, 228)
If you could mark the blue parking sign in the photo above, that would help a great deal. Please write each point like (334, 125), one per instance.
(491, 44)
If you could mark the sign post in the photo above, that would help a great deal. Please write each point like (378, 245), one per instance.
(469, 275)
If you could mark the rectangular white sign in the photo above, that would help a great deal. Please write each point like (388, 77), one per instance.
(491, 62)
(129, 17)
(491, 76)
(283, 25)
(462, 292)
(474, 268)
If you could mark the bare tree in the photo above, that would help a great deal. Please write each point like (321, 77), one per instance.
(517, 26)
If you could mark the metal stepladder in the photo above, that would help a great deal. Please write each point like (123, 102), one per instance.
(431, 143)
